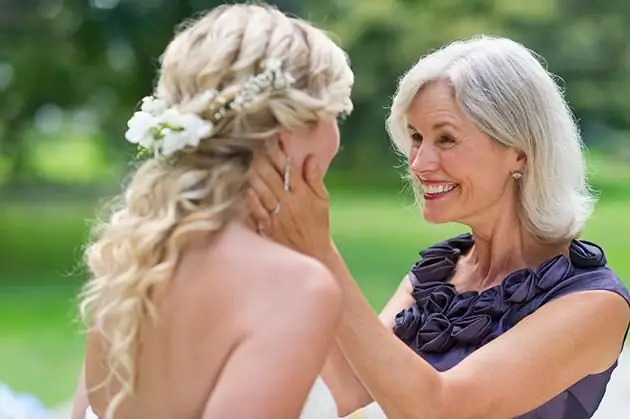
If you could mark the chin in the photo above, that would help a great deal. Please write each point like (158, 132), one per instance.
(435, 218)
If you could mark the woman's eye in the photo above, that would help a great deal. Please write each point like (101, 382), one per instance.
(446, 139)
(416, 138)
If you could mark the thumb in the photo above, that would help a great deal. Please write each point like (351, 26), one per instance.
(314, 177)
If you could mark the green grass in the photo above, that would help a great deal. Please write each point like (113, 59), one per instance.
(41, 347)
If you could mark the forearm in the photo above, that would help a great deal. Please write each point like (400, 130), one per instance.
(349, 392)
(401, 381)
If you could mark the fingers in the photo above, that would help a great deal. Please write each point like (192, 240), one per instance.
(263, 193)
(314, 177)
(258, 212)
(265, 172)
(277, 157)
(291, 174)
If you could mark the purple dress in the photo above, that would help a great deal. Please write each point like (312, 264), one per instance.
(444, 326)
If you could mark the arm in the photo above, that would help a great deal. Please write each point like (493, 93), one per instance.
(499, 380)
(268, 189)
(348, 390)
(271, 370)
(503, 378)
(81, 401)
(542, 345)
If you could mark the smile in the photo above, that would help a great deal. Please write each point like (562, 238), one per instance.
(438, 190)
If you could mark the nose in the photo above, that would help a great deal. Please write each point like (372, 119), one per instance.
(423, 159)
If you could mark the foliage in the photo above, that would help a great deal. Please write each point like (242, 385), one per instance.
(80, 67)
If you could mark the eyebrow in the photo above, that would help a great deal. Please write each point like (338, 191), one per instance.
(437, 126)
(444, 124)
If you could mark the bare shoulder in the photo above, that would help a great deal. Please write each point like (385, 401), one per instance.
(267, 277)
(604, 316)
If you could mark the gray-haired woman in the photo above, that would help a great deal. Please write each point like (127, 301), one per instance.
(518, 318)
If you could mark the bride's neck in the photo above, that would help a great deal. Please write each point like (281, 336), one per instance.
(248, 222)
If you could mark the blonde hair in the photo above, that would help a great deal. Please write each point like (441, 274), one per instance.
(202, 188)
(506, 91)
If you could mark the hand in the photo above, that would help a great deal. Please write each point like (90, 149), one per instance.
(302, 219)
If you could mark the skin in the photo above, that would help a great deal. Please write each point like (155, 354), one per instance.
(202, 357)
(499, 380)
(319, 143)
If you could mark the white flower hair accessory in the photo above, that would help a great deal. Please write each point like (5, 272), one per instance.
(163, 130)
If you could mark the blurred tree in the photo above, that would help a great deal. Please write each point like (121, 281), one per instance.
(100, 57)
(585, 43)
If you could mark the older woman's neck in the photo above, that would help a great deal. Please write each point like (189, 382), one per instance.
(503, 245)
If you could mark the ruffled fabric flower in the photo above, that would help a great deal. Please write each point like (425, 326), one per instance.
(442, 318)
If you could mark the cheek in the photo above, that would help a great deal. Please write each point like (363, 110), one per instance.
(327, 148)
(459, 166)
(481, 184)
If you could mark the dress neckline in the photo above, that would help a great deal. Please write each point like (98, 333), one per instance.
(442, 317)
(445, 255)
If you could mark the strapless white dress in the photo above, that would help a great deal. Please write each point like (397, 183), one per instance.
(319, 404)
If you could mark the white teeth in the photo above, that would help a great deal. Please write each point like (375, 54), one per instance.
(441, 188)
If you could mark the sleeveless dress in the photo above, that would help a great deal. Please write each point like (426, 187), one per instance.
(319, 404)
(444, 326)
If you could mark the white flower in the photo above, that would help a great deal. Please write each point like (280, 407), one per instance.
(208, 97)
(140, 129)
(170, 142)
(164, 131)
(153, 105)
(182, 130)
(273, 64)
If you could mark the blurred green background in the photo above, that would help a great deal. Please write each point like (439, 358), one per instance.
(72, 72)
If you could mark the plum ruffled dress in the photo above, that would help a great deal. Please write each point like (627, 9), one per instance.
(444, 325)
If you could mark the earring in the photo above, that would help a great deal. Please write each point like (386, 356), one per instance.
(287, 175)
(517, 175)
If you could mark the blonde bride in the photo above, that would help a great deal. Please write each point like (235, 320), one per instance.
(191, 313)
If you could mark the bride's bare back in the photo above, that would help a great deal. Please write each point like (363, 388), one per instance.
(243, 330)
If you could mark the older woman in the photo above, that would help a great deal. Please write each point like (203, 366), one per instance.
(484, 324)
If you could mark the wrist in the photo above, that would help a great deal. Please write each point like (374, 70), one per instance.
(329, 254)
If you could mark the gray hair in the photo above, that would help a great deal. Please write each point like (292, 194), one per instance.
(506, 91)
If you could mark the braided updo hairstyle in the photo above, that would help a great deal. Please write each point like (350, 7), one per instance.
(202, 188)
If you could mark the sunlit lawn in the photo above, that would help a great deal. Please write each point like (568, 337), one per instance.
(41, 348)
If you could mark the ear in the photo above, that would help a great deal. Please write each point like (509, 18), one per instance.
(519, 160)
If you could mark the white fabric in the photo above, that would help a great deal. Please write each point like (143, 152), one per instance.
(373, 411)
(319, 404)
(90, 414)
